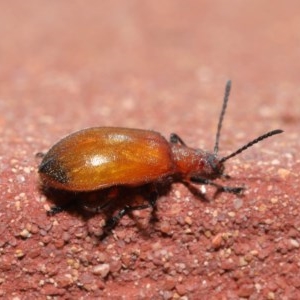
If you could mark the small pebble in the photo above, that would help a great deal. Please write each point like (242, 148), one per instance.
(102, 270)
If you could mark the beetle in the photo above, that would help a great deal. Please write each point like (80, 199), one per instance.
(100, 158)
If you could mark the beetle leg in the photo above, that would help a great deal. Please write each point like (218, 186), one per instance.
(175, 139)
(152, 198)
(56, 209)
(220, 188)
(112, 222)
(195, 191)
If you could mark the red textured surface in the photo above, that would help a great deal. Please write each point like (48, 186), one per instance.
(163, 66)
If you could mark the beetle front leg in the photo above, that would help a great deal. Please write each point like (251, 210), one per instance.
(220, 188)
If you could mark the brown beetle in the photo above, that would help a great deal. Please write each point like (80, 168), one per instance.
(103, 157)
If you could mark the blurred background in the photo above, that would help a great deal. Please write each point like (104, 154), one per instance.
(161, 65)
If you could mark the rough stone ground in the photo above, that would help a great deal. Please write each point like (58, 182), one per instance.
(162, 65)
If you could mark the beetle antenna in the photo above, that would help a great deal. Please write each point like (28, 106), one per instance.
(250, 144)
(226, 97)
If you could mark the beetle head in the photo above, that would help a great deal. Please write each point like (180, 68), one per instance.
(210, 166)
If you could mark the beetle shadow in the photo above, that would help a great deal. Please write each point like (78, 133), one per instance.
(111, 201)
(107, 202)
